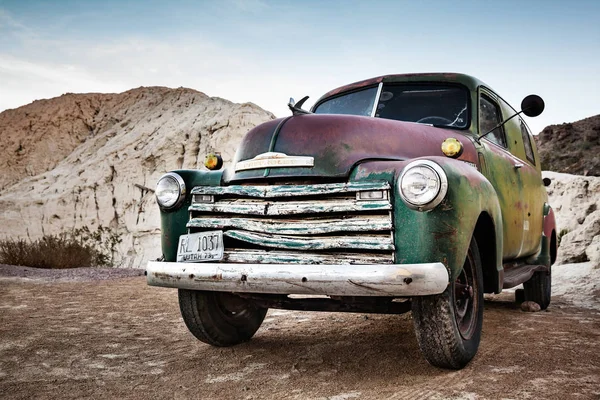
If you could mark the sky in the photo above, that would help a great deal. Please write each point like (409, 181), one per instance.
(265, 51)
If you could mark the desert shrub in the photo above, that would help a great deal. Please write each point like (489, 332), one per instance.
(77, 248)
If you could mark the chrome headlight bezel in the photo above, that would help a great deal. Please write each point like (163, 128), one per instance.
(178, 183)
(442, 186)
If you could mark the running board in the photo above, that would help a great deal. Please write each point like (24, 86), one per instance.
(517, 273)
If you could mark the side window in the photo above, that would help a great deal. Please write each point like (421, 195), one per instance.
(527, 142)
(489, 117)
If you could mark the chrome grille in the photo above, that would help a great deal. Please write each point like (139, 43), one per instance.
(333, 223)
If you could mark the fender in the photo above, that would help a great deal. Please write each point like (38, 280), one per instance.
(550, 232)
(444, 233)
(173, 222)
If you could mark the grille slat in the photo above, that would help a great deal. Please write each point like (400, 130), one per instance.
(291, 190)
(235, 255)
(365, 241)
(292, 207)
(290, 226)
(320, 223)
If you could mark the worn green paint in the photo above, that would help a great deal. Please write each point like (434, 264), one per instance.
(364, 242)
(173, 222)
(543, 256)
(357, 223)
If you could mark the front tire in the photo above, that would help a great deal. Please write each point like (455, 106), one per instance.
(219, 318)
(448, 325)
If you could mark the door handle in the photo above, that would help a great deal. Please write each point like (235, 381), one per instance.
(518, 165)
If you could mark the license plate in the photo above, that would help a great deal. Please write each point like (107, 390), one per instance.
(201, 246)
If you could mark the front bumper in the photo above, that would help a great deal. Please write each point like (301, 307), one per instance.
(333, 280)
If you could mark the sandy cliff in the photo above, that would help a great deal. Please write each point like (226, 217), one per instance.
(84, 160)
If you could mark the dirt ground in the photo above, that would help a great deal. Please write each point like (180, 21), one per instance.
(118, 338)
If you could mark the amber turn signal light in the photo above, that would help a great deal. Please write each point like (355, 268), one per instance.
(452, 147)
(213, 161)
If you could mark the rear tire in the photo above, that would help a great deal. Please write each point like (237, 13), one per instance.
(219, 318)
(539, 288)
(448, 325)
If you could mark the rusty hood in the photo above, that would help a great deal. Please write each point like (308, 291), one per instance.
(337, 143)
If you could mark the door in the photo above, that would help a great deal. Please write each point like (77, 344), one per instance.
(502, 170)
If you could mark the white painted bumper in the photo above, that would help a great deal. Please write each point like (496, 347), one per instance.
(333, 280)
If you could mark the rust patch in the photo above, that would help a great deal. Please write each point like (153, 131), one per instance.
(451, 232)
(163, 276)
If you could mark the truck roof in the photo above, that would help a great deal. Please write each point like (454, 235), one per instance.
(470, 82)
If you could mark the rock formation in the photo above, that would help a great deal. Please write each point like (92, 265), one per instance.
(576, 203)
(571, 147)
(89, 159)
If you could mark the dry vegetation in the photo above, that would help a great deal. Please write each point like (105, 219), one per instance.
(77, 248)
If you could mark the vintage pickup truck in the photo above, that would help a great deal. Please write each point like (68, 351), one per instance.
(399, 193)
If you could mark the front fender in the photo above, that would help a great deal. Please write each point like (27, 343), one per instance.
(444, 233)
(173, 222)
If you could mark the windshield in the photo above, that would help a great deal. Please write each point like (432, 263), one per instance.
(434, 104)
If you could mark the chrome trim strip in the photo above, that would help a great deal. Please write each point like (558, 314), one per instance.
(333, 280)
(274, 160)
(374, 110)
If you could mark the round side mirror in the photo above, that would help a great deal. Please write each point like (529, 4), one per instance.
(546, 181)
(532, 105)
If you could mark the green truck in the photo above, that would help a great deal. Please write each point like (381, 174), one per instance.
(401, 193)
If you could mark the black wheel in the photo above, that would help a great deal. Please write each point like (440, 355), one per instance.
(539, 288)
(448, 325)
(218, 318)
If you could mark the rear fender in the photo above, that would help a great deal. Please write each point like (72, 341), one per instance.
(550, 232)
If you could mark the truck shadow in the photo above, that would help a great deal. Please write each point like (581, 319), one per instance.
(363, 348)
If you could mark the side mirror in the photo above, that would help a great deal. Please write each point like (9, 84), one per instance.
(532, 105)
(546, 181)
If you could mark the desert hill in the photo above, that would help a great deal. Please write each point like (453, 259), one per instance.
(85, 159)
(571, 147)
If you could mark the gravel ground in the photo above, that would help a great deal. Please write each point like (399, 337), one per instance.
(88, 333)
(67, 275)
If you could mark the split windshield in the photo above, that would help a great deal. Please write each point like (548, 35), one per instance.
(434, 104)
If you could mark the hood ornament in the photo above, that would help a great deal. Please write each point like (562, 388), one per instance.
(296, 108)
(274, 160)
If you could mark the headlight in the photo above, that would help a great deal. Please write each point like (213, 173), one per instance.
(170, 190)
(422, 185)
